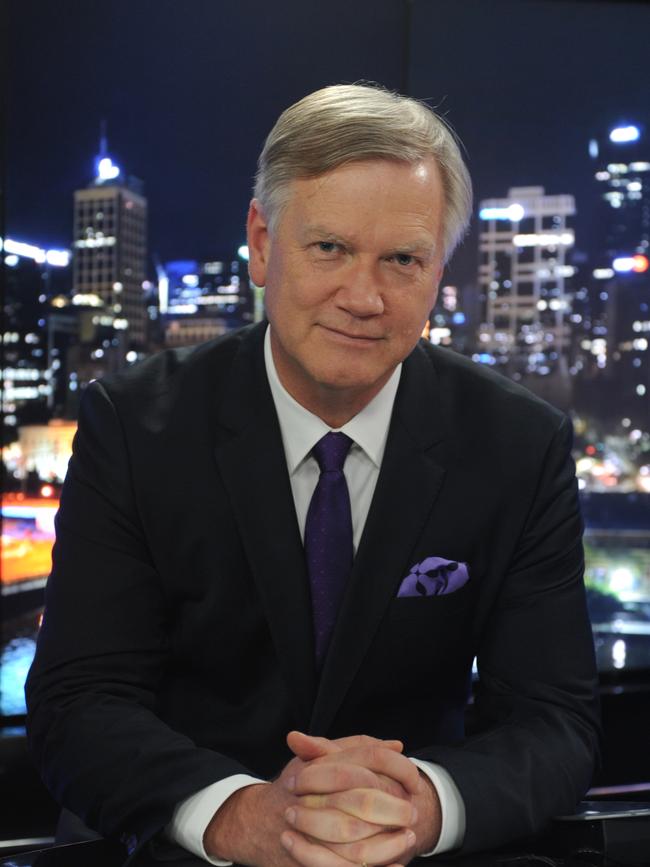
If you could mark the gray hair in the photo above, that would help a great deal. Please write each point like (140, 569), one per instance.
(348, 123)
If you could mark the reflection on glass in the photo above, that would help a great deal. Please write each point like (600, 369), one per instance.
(618, 653)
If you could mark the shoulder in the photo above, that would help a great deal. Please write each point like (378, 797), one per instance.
(186, 376)
(178, 392)
(207, 362)
(479, 403)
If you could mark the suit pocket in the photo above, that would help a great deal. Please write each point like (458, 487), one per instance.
(431, 607)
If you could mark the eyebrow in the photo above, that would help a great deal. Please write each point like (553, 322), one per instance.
(324, 234)
(418, 246)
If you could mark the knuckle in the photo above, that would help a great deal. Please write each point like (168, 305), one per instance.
(352, 828)
(367, 801)
(340, 777)
(374, 754)
(356, 852)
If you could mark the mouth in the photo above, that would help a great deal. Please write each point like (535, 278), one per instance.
(351, 338)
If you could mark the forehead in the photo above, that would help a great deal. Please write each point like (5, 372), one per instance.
(370, 193)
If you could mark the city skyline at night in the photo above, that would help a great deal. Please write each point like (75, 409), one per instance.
(190, 119)
(550, 101)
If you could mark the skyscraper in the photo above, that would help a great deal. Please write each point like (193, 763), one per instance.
(524, 277)
(110, 246)
(620, 252)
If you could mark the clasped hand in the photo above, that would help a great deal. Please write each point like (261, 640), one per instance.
(351, 800)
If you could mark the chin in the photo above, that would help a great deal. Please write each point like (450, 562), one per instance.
(348, 379)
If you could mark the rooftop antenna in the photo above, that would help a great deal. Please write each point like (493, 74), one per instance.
(103, 147)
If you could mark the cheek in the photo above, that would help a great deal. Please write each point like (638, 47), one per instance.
(409, 319)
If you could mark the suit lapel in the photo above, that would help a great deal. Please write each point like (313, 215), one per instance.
(249, 457)
(409, 482)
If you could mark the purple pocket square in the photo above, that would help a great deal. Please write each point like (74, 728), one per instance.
(434, 576)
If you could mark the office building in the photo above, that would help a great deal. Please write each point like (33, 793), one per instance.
(620, 254)
(525, 281)
(110, 246)
(201, 300)
(32, 276)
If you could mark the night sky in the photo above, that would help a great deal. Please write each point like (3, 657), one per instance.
(189, 89)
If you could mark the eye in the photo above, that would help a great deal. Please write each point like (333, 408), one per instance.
(327, 246)
(404, 259)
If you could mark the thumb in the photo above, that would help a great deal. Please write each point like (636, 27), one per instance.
(308, 747)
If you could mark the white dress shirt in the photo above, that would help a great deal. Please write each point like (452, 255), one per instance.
(300, 431)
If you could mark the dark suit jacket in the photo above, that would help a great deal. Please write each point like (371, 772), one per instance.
(177, 644)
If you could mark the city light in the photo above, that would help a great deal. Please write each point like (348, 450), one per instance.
(624, 264)
(623, 134)
(557, 271)
(99, 241)
(163, 293)
(107, 170)
(603, 273)
(546, 239)
(619, 653)
(87, 299)
(242, 252)
(621, 580)
(57, 258)
(182, 309)
(640, 264)
(514, 213)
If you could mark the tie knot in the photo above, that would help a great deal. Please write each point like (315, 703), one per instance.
(331, 451)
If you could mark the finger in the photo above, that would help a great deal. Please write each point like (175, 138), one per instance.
(328, 825)
(324, 778)
(370, 805)
(368, 741)
(380, 849)
(376, 759)
(310, 854)
(392, 787)
(308, 747)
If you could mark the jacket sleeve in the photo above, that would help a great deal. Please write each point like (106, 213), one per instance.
(531, 750)
(91, 692)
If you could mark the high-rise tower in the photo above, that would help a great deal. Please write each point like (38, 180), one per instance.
(110, 245)
(524, 277)
(620, 254)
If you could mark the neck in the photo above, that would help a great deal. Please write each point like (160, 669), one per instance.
(333, 406)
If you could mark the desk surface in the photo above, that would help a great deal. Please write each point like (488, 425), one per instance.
(103, 853)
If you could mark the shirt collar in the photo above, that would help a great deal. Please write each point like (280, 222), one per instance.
(301, 429)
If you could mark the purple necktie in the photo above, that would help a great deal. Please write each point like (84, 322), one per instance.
(328, 537)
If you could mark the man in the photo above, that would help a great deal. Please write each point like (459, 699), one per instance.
(315, 527)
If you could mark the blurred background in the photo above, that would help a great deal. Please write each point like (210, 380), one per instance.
(133, 129)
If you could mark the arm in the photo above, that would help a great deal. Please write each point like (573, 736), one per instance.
(92, 723)
(532, 752)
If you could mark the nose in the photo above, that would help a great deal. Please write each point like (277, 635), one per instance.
(360, 292)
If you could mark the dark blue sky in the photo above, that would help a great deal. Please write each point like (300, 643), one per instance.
(189, 89)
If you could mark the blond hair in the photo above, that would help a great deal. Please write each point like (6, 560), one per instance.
(349, 123)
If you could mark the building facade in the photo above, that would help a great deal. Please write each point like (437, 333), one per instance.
(110, 247)
(620, 275)
(525, 281)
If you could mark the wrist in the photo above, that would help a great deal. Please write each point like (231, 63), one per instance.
(226, 831)
(429, 822)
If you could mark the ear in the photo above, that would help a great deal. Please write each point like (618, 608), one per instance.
(259, 243)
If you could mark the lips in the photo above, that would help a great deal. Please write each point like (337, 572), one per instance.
(343, 333)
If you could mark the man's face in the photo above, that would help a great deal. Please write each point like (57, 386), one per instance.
(351, 272)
